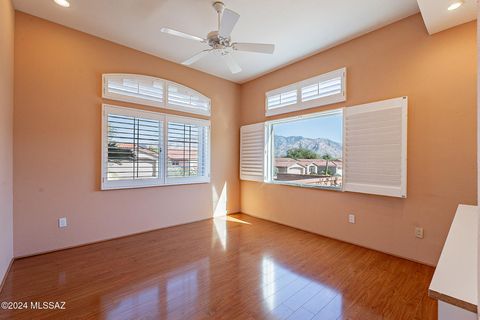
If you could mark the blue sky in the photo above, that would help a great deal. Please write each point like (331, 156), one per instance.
(329, 127)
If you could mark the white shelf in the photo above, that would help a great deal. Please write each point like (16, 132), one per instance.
(455, 279)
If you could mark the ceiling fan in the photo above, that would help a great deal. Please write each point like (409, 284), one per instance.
(220, 42)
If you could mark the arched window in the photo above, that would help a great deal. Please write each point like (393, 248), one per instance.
(154, 92)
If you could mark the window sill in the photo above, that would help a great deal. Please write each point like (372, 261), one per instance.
(305, 186)
(170, 184)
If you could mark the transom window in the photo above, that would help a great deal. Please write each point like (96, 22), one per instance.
(318, 91)
(154, 92)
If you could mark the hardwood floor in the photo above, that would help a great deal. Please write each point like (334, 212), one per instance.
(235, 268)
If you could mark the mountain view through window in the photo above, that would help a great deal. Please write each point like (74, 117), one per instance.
(308, 151)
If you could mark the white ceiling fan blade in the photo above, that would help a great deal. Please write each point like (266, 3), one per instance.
(181, 34)
(196, 57)
(229, 19)
(232, 64)
(254, 47)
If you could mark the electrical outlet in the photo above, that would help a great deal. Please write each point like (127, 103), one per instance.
(62, 222)
(351, 218)
(419, 232)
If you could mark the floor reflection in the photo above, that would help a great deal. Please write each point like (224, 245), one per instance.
(288, 294)
(220, 224)
(135, 305)
(221, 229)
(162, 296)
(235, 267)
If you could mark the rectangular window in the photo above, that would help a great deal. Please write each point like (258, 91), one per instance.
(307, 150)
(133, 143)
(187, 155)
(318, 91)
(361, 148)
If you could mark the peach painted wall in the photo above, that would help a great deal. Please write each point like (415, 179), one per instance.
(438, 74)
(57, 138)
(6, 134)
(478, 151)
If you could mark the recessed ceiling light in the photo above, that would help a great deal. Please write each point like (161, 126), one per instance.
(455, 5)
(63, 3)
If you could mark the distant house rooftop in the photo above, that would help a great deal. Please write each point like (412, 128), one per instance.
(287, 162)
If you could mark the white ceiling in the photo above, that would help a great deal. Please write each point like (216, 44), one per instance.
(298, 28)
(437, 18)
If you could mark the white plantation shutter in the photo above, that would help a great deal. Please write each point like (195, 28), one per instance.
(318, 91)
(185, 99)
(252, 152)
(282, 99)
(375, 148)
(145, 149)
(132, 148)
(187, 147)
(134, 88)
(154, 92)
(322, 89)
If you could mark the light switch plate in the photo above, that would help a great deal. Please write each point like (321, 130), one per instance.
(419, 232)
(62, 222)
(351, 218)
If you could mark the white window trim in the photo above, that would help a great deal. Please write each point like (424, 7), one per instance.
(165, 104)
(162, 179)
(300, 105)
(269, 147)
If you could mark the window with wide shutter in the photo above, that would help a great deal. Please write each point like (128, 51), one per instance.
(375, 148)
(144, 149)
(252, 152)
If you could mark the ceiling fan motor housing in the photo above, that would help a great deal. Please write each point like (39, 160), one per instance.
(216, 41)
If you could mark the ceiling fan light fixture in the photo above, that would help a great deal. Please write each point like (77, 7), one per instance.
(219, 40)
(62, 3)
(455, 5)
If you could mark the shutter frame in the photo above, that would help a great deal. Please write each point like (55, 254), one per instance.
(252, 152)
(354, 184)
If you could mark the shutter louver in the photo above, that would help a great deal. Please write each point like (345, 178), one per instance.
(375, 145)
(252, 152)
